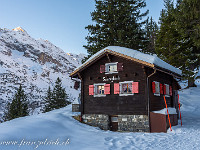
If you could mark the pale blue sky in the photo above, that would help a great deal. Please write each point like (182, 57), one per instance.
(62, 22)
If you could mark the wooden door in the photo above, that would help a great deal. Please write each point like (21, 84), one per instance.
(113, 123)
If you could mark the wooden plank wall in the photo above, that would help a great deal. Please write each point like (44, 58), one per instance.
(114, 104)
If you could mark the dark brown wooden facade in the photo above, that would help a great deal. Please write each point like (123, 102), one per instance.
(113, 104)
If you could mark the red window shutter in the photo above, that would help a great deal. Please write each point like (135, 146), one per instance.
(119, 66)
(164, 88)
(91, 89)
(161, 88)
(116, 88)
(102, 68)
(170, 90)
(107, 89)
(153, 87)
(135, 87)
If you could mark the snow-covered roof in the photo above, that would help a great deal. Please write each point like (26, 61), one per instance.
(137, 55)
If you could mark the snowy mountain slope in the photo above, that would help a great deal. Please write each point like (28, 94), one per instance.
(59, 125)
(35, 64)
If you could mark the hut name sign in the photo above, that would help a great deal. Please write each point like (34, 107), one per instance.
(111, 79)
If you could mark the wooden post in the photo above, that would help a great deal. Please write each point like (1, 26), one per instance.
(168, 114)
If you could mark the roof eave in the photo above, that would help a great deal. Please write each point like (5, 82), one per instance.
(87, 63)
(74, 73)
(168, 72)
(114, 53)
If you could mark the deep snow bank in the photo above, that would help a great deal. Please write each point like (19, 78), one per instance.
(61, 131)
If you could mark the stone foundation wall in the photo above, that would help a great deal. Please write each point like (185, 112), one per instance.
(133, 123)
(97, 120)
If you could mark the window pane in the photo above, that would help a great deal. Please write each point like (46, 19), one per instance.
(126, 88)
(112, 68)
(109, 68)
(129, 87)
(114, 119)
(100, 89)
(167, 89)
(115, 67)
(157, 87)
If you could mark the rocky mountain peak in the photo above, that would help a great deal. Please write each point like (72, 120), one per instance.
(35, 64)
(19, 29)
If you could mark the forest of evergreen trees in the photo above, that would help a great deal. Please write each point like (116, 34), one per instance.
(19, 106)
(175, 39)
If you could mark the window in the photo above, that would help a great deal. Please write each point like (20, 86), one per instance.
(114, 119)
(166, 90)
(111, 68)
(99, 89)
(125, 88)
(124, 119)
(156, 88)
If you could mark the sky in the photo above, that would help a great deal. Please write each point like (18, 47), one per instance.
(62, 22)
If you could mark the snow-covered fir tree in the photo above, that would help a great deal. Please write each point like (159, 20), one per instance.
(18, 107)
(57, 98)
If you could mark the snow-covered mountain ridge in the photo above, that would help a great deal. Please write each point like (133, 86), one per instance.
(35, 64)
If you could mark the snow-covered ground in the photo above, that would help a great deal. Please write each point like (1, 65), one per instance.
(57, 130)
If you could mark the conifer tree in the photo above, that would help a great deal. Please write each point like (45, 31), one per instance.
(168, 36)
(57, 98)
(117, 23)
(151, 28)
(48, 101)
(59, 95)
(18, 107)
(178, 38)
(188, 24)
